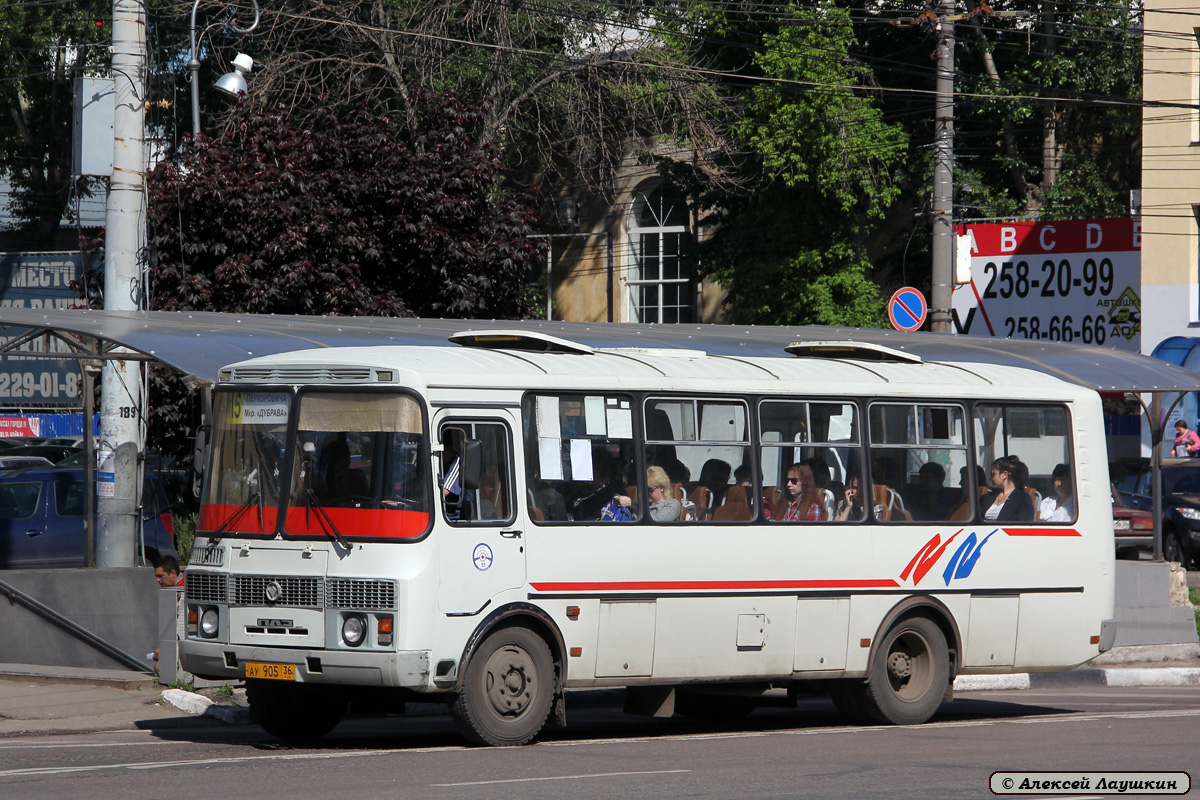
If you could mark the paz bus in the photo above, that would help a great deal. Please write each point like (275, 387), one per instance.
(434, 523)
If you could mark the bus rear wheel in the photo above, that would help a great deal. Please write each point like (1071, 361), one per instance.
(909, 673)
(507, 689)
(295, 711)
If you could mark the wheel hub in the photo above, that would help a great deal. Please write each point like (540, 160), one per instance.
(900, 665)
(509, 684)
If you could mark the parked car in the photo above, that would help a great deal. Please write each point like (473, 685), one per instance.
(15, 461)
(51, 452)
(1133, 528)
(1180, 502)
(67, 441)
(20, 441)
(41, 519)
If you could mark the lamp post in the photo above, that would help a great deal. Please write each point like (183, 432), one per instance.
(228, 82)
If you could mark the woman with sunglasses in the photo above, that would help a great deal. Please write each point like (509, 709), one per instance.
(1010, 502)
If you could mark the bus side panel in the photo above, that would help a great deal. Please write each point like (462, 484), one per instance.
(734, 637)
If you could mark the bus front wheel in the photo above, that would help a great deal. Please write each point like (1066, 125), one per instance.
(507, 689)
(295, 711)
(909, 673)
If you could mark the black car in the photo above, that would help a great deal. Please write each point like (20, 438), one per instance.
(1180, 502)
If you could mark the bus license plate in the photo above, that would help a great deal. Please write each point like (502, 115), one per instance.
(274, 672)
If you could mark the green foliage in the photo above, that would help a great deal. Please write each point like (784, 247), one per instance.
(811, 124)
(185, 537)
(181, 684)
(44, 47)
(819, 166)
(224, 690)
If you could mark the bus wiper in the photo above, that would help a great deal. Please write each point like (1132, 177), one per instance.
(215, 537)
(331, 531)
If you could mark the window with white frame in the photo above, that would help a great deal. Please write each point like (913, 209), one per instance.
(660, 278)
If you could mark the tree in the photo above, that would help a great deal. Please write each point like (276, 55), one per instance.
(43, 49)
(343, 216)
(823, 162)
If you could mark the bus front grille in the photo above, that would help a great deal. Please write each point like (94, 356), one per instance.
(367, 595)
(259, 590)
(206, 587)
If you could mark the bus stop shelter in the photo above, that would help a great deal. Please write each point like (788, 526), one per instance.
(199, 344)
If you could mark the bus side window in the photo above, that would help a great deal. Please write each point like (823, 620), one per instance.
(490, 503)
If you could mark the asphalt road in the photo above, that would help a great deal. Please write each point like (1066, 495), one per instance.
(774, 753)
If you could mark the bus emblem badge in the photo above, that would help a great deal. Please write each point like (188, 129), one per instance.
(273, 592)
(482, 557)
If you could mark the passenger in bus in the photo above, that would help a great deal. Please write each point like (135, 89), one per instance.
(1061, 507)
(805, 501)
(1011, 502)
(932, 500)
(824, 483)
(606, 484)
(664, 507)
(714, 483)
(851, 505)
(343, 481)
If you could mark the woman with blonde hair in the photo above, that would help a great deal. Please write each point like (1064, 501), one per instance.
(664, 506)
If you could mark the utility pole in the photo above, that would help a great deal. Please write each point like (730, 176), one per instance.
(943, 174)
(118, 533)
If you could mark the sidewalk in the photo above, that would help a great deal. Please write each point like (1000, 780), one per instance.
(62, 700)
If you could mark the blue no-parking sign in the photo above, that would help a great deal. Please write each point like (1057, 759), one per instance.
(907, 309)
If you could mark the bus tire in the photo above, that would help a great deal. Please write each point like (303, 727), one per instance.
(507, 689)
(295, 711)
(909, 673)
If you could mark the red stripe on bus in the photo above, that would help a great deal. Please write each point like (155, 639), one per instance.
(374, 523)
(213, 517)
(666, 586)
(1042, 532)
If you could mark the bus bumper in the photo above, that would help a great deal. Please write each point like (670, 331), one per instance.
(220, 661)
(1108, 634)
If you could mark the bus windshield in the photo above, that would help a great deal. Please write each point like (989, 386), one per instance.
(249, 445)
(359, 451)
(356, 461)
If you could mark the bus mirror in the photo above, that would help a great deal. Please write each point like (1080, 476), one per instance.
(471, 464)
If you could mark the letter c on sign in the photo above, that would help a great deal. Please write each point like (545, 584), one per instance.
(1048, 245)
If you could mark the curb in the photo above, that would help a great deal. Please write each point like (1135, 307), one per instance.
(1161, 676)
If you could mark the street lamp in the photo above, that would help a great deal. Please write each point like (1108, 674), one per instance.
(233, 82)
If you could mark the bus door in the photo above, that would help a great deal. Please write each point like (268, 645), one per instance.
(482, 543)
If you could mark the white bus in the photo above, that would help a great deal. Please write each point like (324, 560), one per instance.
(425, 522)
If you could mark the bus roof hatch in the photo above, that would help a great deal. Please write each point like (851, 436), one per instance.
(860, 351)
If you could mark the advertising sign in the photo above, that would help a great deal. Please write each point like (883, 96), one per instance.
(1053, 280)
(38, 280)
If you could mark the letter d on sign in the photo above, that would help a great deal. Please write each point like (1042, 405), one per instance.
(1094, 236)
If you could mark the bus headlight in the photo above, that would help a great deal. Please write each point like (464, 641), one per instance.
(209, 623)
(354, 630)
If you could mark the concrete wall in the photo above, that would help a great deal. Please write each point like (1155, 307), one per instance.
(1145, 615)
(120, 606)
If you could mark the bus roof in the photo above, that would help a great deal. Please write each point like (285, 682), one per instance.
(201, 343)
(633, 368)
